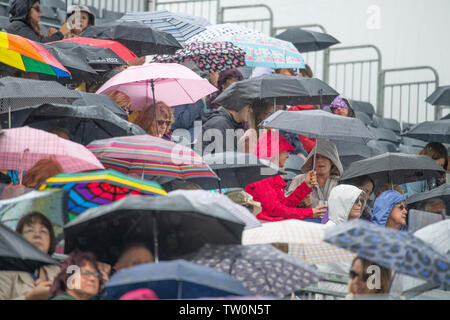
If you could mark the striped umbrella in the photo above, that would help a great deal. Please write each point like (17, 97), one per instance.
(152, 157)
(92, 189)
(29, 56)
(181, 27)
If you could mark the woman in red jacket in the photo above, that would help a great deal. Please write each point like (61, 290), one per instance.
(270, 192)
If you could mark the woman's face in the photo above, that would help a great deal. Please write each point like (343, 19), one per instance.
(82, 24)
(398, 214)
(358, 279)
(162, 124)
(38, 235)
(323, 165)
(89, 281)
(340, 111)
(355, 211)
(35, 12)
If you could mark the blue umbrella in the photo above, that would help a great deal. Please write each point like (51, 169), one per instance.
(177, 279)
(393, 249)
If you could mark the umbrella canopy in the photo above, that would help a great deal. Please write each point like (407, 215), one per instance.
(440, 97)
(17, 254)
(236, 170)
(181, 27)
(173, 225)
(29, 56)
(100, 100)
(85, 123)
(279, 88)
(442, 192)
(93, 189)
(140, 38)
(208, 56)
(262, 269)
(176, 279)
(172, 83)
(307, 40)
(351, 152)
(319, 124)
(394, 168)
(396, 250)
(151, 157)
(21, 148)
(418, 219)
(119, 49)
(222, 32)
(437, 131)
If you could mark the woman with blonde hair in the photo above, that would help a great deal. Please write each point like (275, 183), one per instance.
(158, 126)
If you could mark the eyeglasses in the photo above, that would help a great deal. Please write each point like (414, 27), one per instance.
(353, 274)
(401, 207)
(37, 8)
(88, 273)
(162, 122)
(41, 232)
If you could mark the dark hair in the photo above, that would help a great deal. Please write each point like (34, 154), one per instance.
(359, 181)
(435, 151)
(259, 113)
(385, 274)
(79, 259)
(33, 217)
(181, 185)
(307, 72)
(57, 130)
(146, 118)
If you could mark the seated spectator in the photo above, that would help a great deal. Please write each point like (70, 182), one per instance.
(86, 19)
(122, 100)
(390, 210)
(15, 285)
(345, 203)
(185, 116)
(366, 184)
(340, 106)
(434, 205)
(146, 119)
(132, 255)
(79, 278)
(225, 79)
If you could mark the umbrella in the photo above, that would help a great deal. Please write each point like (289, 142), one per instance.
(393, 249)
(280, 89)
(307, 40)
(4, 22)
(93, 189)
(195, 19)
(29, 56)
(138, 37)
(176, 279)
(16, 93)
(442, 192)
(208, 56)
(151, 157)
(394, 168)
(17, 254)
(171, 83)
(351, 152)
(21, 148)
(221, 32)
(417, 219)
(119, 49)
(85, 123)
(100, 100)
(173, 225)
(436, 131)
(237, 170)
(262, 269)
(181, 27)
(51, 204)
(440, 97)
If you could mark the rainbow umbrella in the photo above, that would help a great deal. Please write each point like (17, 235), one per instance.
(93, 189)
(149, 156)
(29, 56)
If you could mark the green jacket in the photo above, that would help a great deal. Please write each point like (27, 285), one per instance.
(62, 296)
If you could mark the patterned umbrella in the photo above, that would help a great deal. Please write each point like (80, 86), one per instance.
(396, 250)
(262, 269)
(222, 32)
(29, 56)
(151, 157)
(208, 56)
(93, 189)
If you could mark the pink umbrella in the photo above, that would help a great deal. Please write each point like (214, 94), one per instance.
(21, 148)
(172, 83)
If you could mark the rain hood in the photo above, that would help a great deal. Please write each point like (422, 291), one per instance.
(340, 202)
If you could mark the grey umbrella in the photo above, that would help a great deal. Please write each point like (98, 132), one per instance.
(263, 269)
(432, 131)
(278, 88)
(307, 40)
(396, 250)
(440, 97)
(351, 152)
(173, 225)
(17, 254)
(394, 168)
(442, 192)
(93, 99)
(16, 93)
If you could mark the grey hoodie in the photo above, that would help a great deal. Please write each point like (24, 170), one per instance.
(327, 149)
(340, 202)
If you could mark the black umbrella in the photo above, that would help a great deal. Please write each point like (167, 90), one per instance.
(432, 131)
(16, 93)
(140, 38)
(394, 168)
(350, 152)
(100, 100)
(306, 40)
(440, 97)
(17, 254)
(85, 123)
(278, 88)
(237, 169)
(173, 225)
(442, 192)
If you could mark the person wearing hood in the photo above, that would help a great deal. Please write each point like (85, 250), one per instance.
(341, 107)
(328, 168)
(25, 18)
(85, 19)
(345, 203)
(270, 192)
(390, 210)
(225, 79)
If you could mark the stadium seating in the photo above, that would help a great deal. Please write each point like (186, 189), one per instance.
(382, 146)
(364, 117)
(386, 123)
(362, 106)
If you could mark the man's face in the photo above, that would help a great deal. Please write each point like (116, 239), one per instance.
(134, 256)
(437, 207)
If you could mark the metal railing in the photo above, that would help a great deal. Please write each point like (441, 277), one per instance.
(113, 5)
(264, 24)
(208, 9)
(393, 95)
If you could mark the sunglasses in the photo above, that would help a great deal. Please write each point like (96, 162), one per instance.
(401, 207)
(353, 274)
(162, 122)
(37, 8)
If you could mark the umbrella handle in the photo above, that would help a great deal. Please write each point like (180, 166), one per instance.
(155, 239)
(315, 152)
(154, 105)
(21, 165)
(9, 117)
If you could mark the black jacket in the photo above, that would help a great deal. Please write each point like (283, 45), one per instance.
(19, 22)
(221, 120)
